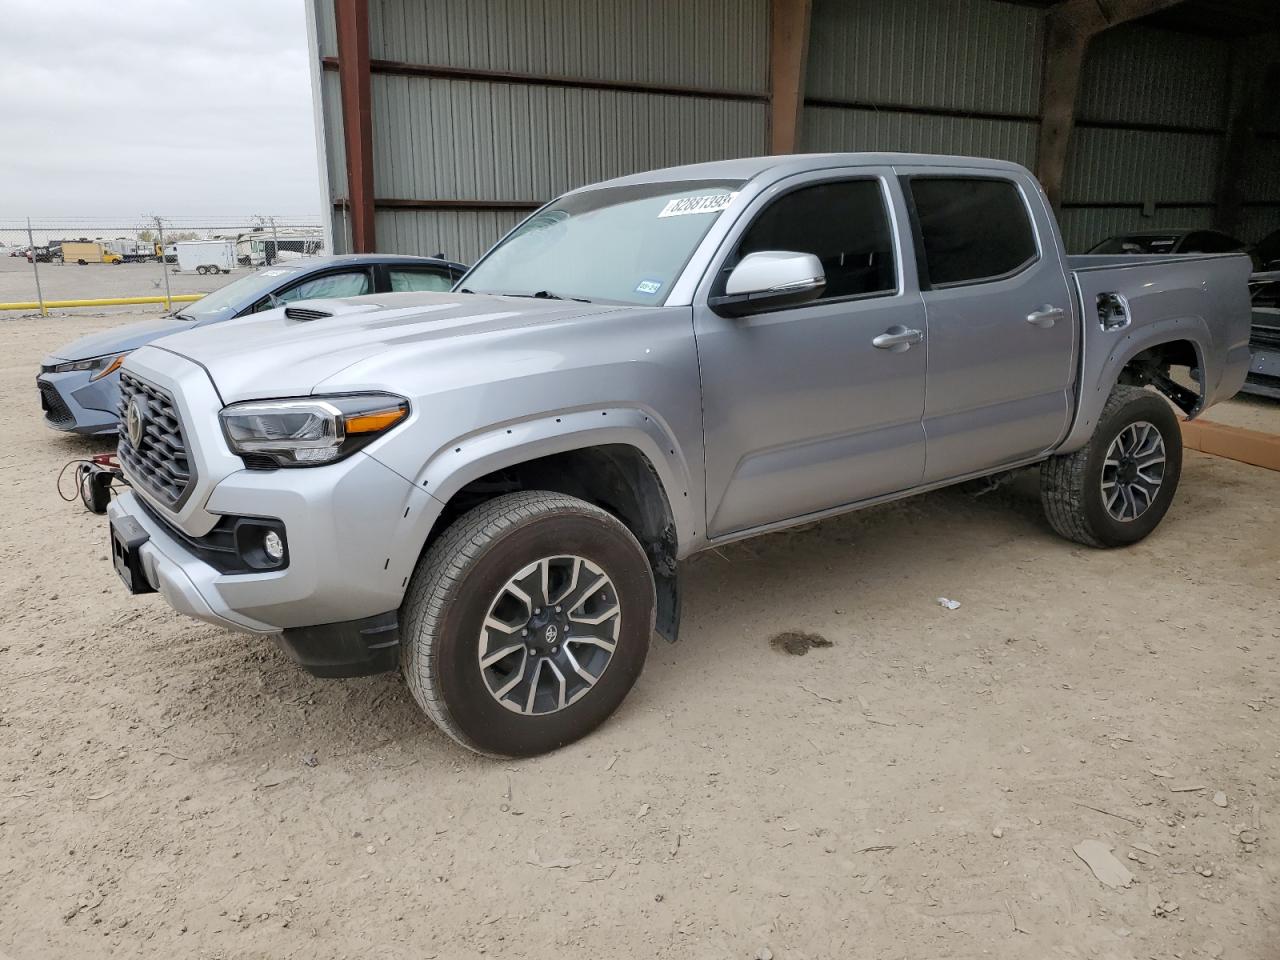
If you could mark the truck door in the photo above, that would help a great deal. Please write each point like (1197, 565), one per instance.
(1002, 330)
(802, 411)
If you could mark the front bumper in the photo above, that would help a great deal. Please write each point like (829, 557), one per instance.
(71, 402)
(354, 531)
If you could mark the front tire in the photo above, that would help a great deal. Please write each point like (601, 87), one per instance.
(1117, 489)
(527, 622)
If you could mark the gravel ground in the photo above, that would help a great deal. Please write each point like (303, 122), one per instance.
(916, 789)
(94, 281)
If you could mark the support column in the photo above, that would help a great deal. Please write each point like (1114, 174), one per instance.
(352, 18)
(1069, 27)
(788, 55)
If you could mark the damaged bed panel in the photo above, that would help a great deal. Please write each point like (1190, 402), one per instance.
(1145, 316)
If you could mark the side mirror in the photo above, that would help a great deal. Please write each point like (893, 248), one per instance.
(768, 280)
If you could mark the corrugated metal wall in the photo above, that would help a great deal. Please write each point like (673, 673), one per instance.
(481, 140)
(958, 56)
(1134, 78)
(932, 76)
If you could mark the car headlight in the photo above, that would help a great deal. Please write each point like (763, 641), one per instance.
(101, 366)
(312, 431)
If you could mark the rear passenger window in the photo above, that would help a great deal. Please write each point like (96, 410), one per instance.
(409, 278)
(844, 224)
(970, 229)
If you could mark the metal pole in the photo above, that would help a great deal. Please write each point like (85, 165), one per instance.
(35, 268)
(164, 267)
(275, 240)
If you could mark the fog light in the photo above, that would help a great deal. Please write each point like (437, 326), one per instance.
(273, 546)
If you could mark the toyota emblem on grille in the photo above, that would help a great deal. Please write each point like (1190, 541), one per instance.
(133, 423)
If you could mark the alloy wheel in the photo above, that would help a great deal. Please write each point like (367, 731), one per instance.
(549, 635)
(1133, 471)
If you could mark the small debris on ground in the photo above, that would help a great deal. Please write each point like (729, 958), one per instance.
(1097, 855)
(310, 760)
(1219, 799)
(949, 604)
(797, 642)
(556, 863)
(997, 832)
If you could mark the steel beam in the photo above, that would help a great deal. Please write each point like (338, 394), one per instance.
(352, 18)
(788, 55)
(1069, 27)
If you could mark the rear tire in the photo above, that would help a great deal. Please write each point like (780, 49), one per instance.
(1117, 489)
(527, 573)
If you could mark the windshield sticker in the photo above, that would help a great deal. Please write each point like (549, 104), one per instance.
(707, 203)
(649, 286)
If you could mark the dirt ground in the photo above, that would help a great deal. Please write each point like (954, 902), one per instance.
(914, 790)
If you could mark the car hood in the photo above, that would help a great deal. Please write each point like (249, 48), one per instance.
(119, 339)
(273, 354)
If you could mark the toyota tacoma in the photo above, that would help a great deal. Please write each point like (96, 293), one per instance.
(491, 489)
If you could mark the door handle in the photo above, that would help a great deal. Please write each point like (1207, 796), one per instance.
(1046, 316)
(897, 339)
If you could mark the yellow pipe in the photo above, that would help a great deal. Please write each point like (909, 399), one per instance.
(103, 302)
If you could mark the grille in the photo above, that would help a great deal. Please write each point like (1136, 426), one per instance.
(159, 463)
(1265, 338)
(305, 313)
(55, 409)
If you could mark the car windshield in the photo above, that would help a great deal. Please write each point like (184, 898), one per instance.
(1140, 243)
(238, 293)
(615, 244)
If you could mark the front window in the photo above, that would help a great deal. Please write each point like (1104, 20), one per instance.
(614, 244)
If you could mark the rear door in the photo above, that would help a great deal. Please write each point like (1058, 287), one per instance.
(1002, 331)
(802, 412)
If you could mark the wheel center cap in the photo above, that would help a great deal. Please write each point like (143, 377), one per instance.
(552, 633)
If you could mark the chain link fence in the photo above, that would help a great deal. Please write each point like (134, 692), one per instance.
(55, 263)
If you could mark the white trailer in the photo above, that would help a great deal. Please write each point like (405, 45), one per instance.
(206, 256)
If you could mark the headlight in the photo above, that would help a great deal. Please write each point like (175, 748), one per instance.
(101, 366)
(312, 431)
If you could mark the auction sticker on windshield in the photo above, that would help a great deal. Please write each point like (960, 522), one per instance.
(706, 203)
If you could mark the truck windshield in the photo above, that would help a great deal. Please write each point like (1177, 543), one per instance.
(616, 244)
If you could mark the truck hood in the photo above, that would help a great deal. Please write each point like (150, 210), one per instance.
(276, 354)
(119, 339)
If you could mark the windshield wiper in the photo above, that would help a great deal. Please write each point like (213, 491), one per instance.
(183, 316)
(546, 295)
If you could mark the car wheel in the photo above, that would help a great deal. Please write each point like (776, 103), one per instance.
(526, 623)
(1117, 489)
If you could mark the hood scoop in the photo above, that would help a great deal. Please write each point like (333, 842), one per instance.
(304, 314)
(309, 310)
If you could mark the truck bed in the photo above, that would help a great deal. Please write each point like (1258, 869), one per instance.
(1200, 300)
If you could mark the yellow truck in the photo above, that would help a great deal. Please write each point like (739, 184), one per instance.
(88, 251)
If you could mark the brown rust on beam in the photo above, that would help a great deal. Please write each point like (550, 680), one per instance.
(352, 17)
(788, 56)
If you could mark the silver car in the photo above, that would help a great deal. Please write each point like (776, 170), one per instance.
(491, 490)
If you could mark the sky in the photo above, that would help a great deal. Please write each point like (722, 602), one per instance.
(182, 108)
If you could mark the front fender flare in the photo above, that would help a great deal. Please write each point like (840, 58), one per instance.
(467, 458)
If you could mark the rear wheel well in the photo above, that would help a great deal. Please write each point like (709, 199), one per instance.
(615, 477)
(1173, 368)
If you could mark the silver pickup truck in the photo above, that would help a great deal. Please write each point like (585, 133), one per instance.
(491, 489)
